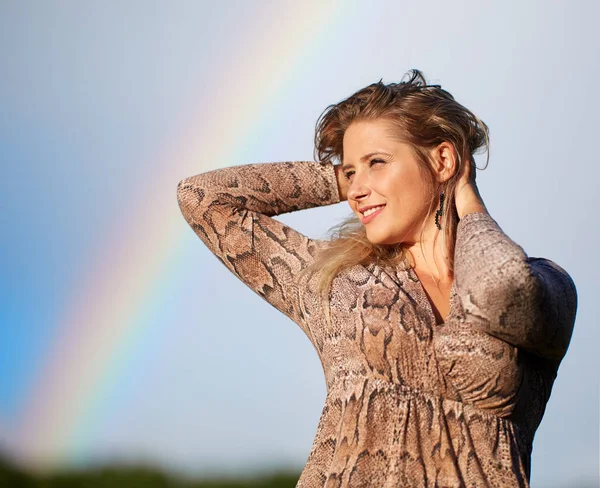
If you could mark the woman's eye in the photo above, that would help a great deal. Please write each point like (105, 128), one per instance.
(371, 163)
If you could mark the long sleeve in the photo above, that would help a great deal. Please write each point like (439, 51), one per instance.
(530, 303)
(230, 210)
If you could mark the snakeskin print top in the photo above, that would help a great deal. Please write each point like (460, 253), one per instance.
(409, 403)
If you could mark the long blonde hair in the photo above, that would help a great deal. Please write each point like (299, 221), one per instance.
(421, 115)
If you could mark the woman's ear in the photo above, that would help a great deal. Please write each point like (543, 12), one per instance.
(444, 161)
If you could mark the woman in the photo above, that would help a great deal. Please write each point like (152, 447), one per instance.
(440, 338)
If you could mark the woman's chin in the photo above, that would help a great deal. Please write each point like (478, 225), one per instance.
(378, 239)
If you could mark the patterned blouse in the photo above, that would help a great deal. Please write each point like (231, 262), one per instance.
(410, 403)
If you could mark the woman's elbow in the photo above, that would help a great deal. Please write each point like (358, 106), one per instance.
(538, 307)
(190, 198)
(512, 308)
(553, 317)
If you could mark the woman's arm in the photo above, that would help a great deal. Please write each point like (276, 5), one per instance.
(530, 303)
(230, 210)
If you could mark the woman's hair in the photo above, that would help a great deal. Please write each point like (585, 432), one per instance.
(420, 115)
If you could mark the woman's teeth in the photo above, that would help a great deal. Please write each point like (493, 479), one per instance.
(371, 210)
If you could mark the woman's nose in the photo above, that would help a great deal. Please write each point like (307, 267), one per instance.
(358, 190)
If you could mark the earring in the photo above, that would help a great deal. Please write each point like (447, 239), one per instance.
(438, 214)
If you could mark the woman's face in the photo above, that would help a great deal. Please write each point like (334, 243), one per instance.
(383, 171)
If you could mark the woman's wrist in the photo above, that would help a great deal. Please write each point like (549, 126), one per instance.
(469, 201)
(472, 208)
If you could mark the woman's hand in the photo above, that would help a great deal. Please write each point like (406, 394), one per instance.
(466, 195)
(343, 184)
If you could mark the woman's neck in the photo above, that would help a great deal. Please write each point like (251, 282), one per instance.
(431, 255)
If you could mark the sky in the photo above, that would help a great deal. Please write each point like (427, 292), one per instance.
(123, 339)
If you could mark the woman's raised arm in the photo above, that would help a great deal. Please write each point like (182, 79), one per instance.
(231, 210)
(528, 302)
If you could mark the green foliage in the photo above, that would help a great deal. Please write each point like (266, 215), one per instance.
(130, 477)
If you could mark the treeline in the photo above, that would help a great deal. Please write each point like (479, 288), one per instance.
(130, 477)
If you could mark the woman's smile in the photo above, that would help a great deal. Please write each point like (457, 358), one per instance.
(371, 214)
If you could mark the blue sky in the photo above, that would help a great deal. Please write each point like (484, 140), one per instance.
(106, 105)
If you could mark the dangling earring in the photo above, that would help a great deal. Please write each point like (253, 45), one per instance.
(438, 214)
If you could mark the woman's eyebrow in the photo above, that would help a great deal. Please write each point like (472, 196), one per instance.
(364, 158)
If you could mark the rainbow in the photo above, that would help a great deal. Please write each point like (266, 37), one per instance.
(103, 322)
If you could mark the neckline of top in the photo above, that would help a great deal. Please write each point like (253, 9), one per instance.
(425, 298)
(422, 299)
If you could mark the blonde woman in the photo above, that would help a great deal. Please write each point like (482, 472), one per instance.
(439, 337)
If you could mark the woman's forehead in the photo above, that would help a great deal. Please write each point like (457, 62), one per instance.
(365, 141)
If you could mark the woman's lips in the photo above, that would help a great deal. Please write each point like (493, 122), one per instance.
(368, 218)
